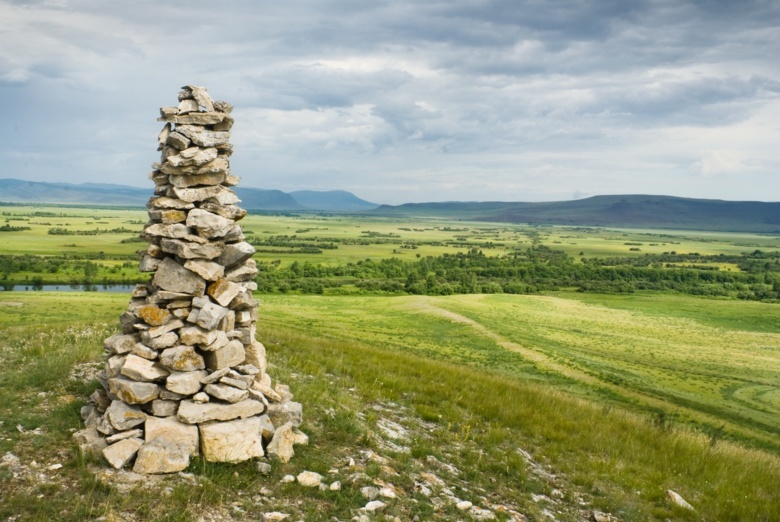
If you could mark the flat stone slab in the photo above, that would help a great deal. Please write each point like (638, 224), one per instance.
(133, 392)
(193, 413)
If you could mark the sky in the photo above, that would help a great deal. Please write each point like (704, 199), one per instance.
(407, 101)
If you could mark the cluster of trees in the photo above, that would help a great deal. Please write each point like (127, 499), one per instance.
(61, 231)
(537, 269)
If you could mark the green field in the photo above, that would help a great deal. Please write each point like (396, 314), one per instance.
(616, 396)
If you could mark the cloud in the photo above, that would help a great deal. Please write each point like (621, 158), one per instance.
(400, 100)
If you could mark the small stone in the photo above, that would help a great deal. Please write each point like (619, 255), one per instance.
(275, 516)
(335, 486)
(309, 479)
(287, 479)
(464, 505)
(263, 468)
(201, 398)
(369, 492)
(120, 453)
(374, 506)
(210, 315)
(678, 500)
(192, 335)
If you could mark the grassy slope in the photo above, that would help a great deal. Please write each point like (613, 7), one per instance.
(352, 376)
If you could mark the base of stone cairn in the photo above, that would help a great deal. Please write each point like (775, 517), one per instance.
(186, 376)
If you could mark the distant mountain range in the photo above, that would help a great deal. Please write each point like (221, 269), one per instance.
(18, 191)
(636, 211)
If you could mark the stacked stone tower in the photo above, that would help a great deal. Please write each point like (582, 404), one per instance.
(187, 376)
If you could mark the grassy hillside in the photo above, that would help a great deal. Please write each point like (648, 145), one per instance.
(613, 211)
(436, 412)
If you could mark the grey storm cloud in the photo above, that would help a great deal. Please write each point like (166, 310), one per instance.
(407, 101)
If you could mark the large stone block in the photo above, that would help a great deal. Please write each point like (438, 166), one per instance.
(233, 441)
(174, 431)
(161, 456)
(172, 276)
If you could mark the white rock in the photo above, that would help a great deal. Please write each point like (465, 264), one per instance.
(374, 506)
(286, 412)
(120, 343)
(677, 499)
(335, 486)
(207, 224)
(309, 479)
(287, 479)
(208, 270)
(275, 516)
(235, 254)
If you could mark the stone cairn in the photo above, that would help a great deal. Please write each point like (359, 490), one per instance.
(186, 376)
